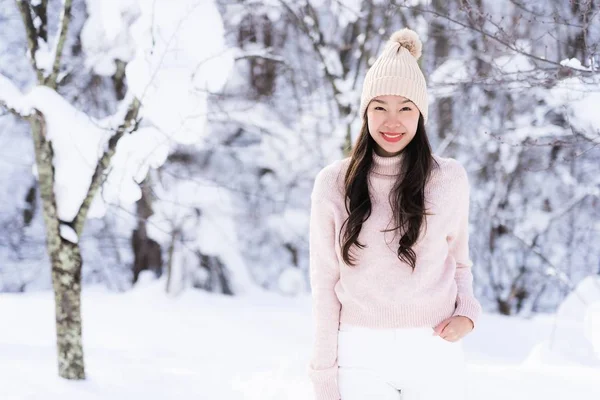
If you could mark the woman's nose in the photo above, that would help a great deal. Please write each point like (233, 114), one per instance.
(393, 116)
(393, 122)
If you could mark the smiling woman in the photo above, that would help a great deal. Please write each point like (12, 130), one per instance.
(389, 257)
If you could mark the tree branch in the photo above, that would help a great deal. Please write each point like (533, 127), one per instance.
(315, 44)
(562, 276)
(485, 33)
(265, 56)
(363, 57)
(32, 38)
(65, 20)
(44, 156)
(13, 111)
(128, 125)
(41, 11)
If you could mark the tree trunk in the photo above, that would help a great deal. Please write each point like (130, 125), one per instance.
(174, 238)
(65, 258)
(147, 252)
(66, 280)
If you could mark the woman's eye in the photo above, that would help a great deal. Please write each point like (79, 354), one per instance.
(379, 108)
(405, 109)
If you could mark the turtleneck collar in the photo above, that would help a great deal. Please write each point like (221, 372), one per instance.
(387, 165)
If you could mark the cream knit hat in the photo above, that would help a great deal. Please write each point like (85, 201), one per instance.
(396, 72)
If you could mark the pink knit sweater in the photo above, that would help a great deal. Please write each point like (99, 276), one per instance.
(381, 291)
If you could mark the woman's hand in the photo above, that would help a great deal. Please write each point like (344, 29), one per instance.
(454, 328)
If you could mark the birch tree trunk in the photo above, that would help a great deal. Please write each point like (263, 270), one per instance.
(66, 281)
(65, 258)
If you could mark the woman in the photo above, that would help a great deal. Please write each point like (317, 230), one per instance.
(389, 259)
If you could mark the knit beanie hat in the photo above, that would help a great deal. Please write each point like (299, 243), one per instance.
(396, 72)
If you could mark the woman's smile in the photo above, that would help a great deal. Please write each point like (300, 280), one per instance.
(391, 136)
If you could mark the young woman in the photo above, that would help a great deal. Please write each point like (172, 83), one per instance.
(389, 259)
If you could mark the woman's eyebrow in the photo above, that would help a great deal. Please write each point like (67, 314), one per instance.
(383, 102)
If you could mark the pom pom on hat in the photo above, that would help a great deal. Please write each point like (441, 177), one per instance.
(408, 39)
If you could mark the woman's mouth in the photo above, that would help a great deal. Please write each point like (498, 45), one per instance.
(392, 137)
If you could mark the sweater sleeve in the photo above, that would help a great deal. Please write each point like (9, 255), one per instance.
(466, 303)
(324, 274)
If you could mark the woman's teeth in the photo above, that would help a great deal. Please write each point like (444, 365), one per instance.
(392, 137)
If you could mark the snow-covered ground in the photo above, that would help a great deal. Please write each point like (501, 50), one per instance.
(148, 345)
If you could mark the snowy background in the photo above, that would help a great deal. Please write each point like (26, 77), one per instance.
(145, 344)
(242, 103)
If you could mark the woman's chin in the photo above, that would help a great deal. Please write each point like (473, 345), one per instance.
(389, 151)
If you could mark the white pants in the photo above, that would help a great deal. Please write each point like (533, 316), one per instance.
(399, 364)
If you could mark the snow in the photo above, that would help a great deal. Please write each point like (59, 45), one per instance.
(292, 282)
(43, 56)
(68, 233)
(37, 22)
(577, 332)
(77, 143)
(346, 11)
(574, 63)
(453, 72)
(211, 231)
(12, 96)
(171, 73)
(580, 98)
(289, 225)
(332, 61)
(105, 37)
(539, 220)
(592, 326)
(147, 344)
(135, 154)
(514, 63)
(444, 79)
(167, 68)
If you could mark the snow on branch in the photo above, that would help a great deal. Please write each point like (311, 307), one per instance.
(499, 36)
(12, 99)
(129, 124)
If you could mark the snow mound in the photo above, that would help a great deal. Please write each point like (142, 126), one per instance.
(575, 338)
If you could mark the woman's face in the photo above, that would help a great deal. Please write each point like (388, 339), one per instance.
(392, 122)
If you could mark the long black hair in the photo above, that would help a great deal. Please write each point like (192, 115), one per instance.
(407, 196)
